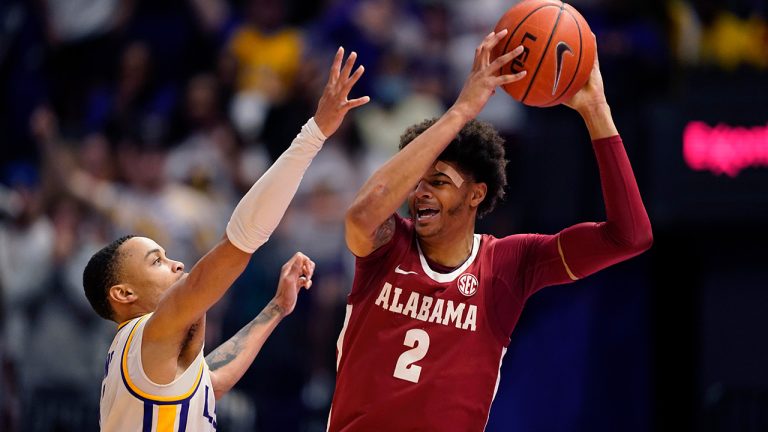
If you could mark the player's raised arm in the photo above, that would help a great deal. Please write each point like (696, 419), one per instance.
(368, 222)
(253, 221)
(588, 247)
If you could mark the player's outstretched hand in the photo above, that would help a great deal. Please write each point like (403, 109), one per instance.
(295, 275)
(334, 105)
(593, 92)
(485, 76)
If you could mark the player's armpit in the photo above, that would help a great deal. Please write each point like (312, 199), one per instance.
(362, 243)
(384, 233)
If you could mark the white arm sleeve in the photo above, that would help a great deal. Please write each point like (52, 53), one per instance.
(260, 210)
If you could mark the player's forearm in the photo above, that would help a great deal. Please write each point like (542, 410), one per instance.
(388, 187)
(231, 359)
(599, 121)
(627, 220)
(261, 209)
(589, 247)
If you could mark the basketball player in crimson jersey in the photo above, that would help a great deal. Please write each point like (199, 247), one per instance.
(433, 304)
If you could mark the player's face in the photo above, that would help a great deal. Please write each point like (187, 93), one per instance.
(145, 266)
(438, 206)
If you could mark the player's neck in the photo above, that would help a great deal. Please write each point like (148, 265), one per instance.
(448, 250)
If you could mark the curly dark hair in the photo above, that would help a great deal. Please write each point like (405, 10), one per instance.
(478, 150)
(100, 274)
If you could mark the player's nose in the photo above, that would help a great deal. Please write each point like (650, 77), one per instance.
(423, 189)
(178, 266)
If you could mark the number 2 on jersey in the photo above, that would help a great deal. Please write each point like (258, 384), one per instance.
(405, 368)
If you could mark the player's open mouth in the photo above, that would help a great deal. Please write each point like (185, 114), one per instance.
(426, 213)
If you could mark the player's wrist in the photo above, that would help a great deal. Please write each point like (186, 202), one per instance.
(277, 309)
(599, 120)
(460, 113)
(595, 110)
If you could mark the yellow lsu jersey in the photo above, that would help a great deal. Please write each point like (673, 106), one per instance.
(132, 402)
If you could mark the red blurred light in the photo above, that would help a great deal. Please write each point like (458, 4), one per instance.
(724, 149)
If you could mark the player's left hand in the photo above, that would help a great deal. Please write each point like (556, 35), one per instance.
(333, 104)
(593, 92)
(295, 274)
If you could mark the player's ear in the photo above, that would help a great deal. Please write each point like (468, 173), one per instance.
(477, 194)
(122, 293)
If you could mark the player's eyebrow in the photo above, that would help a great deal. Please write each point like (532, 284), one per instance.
(439, 174)
(155, 250)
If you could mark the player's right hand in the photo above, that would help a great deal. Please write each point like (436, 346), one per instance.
(333, 104)
(484, 78)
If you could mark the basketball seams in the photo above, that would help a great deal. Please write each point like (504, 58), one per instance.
(544, 51)
(578, 62)
(512, 34)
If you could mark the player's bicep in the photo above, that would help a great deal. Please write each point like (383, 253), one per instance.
(544, 263)
(362, 243)
(573, 253)
(590, 247)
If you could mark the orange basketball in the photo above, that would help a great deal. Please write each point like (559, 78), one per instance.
(559, 51)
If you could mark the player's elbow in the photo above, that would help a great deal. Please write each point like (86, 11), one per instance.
(363, 215)
(630, 241)
(354, 217)
(643, 240)
(643, 234)
(640, 241)
(220, 384)
(219, 393)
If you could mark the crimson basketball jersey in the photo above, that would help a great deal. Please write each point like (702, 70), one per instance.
(421, 350)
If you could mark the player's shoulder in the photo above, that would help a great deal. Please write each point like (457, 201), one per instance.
(133, 326)
(508, 248)
(489, 240)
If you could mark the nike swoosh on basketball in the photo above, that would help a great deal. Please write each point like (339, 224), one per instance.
(398, 270)
(560, 51)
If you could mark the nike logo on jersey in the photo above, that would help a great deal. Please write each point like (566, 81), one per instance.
(560, 51)
(398, 270)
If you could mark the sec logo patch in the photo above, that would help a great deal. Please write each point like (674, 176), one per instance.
(467, 284)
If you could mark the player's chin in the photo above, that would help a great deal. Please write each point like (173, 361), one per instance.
(426, 229)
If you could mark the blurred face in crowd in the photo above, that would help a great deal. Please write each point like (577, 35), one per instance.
(95, 156)
(202, 100)
(143, 168)
(134, 69)
(265, 14)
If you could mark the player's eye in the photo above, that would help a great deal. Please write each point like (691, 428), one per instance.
(157, 261)
(437, 183)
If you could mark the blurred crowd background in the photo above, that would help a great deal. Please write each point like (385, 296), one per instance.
(153, 118)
